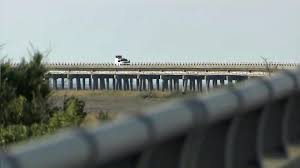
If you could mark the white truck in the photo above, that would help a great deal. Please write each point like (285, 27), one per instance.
(119, 60)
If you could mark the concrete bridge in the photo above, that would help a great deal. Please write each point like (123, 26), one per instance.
(253, 125)
(164, 77)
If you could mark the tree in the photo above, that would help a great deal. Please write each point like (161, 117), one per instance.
(267, 64)
(24, 108)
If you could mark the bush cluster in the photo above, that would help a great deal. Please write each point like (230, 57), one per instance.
(24, 108)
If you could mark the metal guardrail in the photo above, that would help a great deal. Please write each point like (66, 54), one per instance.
(256, 124)
(260, 67)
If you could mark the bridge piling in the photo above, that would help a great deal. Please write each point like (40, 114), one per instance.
(131, 83)
(95, 79)
(144, 84)
(55, 83)
(83, 83)
(78, 83)
(222, 82)
(215, 83)
(171, 84)
(151, 84)
(207, 85)
(70, 82)
(114, 82)
(62, 83)
(90, 83)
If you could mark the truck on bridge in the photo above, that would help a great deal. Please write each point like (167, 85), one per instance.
(119, 60)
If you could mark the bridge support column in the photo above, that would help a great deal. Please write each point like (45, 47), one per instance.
(70, 82)
(150, 81)
(123, 83)
(62, 83)
(191, 84)
(78, 83)
(144, 84)
(107, 83)
(215, 82)
(102, 83)
(131, 84)
(120, 87)
(55, 83)
(171, 84)
(164, 83)
(117, 83)
(184, 84)
(199, 85)
(167, 84)
(138, 83)
(207, 84)
(174, 84)
(229, 79)
(148, 84)
(95, 82)
(83, 83)
(126, 84)
(114, 82)
(157, 84)
(90, 83)
(222, 82)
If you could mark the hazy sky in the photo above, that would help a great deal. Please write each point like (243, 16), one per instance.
(153, 30)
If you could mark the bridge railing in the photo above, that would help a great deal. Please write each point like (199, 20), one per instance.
(255, 124)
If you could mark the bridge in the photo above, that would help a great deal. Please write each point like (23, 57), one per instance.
(165, 77)
(253, 125)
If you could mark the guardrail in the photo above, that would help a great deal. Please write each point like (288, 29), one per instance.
(255, 124)
(261, 67)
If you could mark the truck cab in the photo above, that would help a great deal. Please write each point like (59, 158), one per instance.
(119, 60)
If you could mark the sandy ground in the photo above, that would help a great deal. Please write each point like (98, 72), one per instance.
(119, 102)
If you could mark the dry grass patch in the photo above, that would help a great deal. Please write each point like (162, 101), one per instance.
(94, 93)
(98, 118)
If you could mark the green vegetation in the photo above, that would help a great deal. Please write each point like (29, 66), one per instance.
(24, 108)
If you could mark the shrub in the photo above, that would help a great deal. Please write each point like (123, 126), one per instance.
(13, 133)
(24, 108)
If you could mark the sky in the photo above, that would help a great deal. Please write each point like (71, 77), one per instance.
(94, 31)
